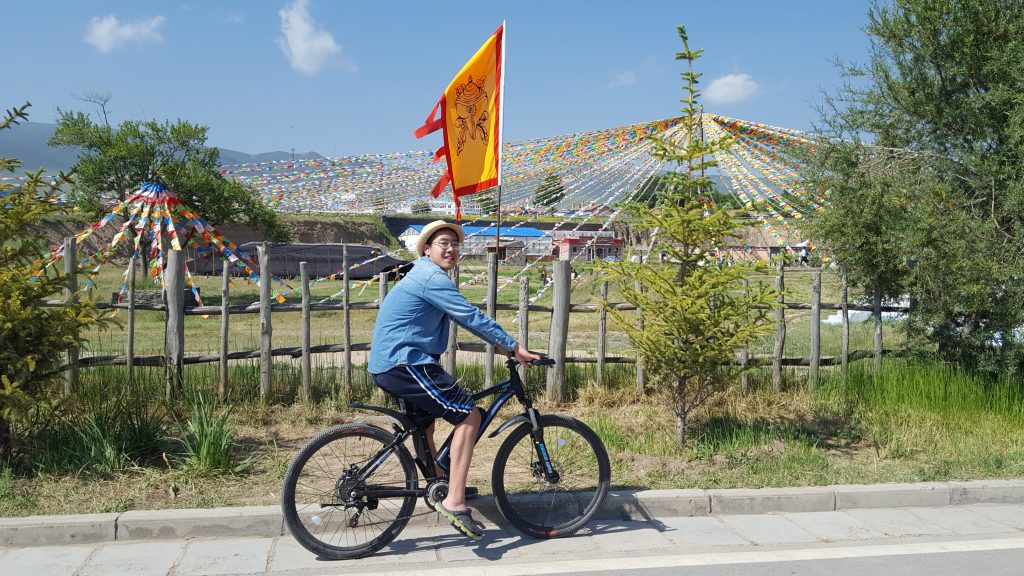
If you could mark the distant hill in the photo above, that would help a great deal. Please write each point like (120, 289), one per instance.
(27, 142)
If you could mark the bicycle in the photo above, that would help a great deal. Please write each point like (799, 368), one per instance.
(352, 489)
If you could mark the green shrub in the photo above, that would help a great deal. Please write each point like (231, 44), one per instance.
(33, 338)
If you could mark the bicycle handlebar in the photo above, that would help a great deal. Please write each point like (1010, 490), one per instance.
(542, 361)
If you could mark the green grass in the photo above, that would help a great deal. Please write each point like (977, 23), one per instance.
(102, 431)
(911, 422)
(209, 439)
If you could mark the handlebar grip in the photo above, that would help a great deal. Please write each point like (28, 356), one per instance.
(543, 362)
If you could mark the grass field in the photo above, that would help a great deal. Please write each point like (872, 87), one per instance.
(203, 333)
(911, 422)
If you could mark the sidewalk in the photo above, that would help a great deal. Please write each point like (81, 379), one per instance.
(720, 542)
(646, 505)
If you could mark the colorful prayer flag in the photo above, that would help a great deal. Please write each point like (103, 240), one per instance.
(470, 116)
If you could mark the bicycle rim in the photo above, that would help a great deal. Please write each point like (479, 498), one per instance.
(538, 506)
(316, 499)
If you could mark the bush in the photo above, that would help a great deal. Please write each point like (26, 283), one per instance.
(33, 338)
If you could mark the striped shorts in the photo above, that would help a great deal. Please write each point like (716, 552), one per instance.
(429, 388)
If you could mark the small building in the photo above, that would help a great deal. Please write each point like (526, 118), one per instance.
(509, 252)
(586, 249)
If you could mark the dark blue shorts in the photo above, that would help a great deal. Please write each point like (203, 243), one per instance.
(429, 388)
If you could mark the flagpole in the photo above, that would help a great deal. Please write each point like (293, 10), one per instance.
(497, 231)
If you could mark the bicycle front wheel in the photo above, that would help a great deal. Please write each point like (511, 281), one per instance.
(545, 507)
(323, 498)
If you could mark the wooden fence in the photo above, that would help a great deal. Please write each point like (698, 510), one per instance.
(174, 358)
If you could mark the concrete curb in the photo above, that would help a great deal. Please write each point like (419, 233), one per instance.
(266, 521)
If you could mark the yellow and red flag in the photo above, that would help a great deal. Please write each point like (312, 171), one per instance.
(470, 116)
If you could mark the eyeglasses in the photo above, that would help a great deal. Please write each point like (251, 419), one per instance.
(445, 244)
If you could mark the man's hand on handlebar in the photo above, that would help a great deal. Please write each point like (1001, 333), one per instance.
(522, 355)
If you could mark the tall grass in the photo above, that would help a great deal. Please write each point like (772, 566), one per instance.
(104, 430)
(942, 388)
(210, 436)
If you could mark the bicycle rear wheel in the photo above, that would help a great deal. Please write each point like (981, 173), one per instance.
(317, 495)
(550, 508)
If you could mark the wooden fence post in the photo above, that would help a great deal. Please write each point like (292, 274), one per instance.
(812, 372)
(602, 333)
(492, 295)
(225, 323)
(174, 335)
(382, 288)
(307, 367)
(641, 374)
(745, 352)
(845, 351)
(130, 352)
(379, 396)
(266, 328)
(71, 274)
(347, 314)
(524, 317)
(453, 331)
(559, 332)
(877, 313)
(780, 327)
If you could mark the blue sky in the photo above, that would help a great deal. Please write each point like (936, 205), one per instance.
(342, 78)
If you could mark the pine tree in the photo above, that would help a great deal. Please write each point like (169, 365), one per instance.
(695, 313)
(33, 337)
(550, 192)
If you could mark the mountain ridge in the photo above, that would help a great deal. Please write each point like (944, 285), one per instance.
(27, 142)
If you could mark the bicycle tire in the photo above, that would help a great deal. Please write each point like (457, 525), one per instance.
(534, 505)
(315, 509)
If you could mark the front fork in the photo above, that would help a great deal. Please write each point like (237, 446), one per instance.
(544, 459)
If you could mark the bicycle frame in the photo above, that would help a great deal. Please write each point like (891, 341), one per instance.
(502, 392)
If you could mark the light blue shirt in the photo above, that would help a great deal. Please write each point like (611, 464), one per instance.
(412, 324)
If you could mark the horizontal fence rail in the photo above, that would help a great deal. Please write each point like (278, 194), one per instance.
(559, 312)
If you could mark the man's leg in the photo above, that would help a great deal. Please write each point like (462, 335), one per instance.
(463, 442)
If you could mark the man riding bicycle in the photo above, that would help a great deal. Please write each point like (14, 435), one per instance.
(409, 335)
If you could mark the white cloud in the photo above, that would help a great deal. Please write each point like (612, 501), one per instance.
(730, 88)
(307, 46)
(627, 78)
(108, 33)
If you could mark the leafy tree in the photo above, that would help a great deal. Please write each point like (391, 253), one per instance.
(695, 313)
(550, 192)
(924, 176)
(115, 161)
(33, 338)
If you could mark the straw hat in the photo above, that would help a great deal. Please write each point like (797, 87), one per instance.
(434, 227)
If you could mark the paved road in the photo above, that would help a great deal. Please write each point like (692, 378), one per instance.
(973, 539)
